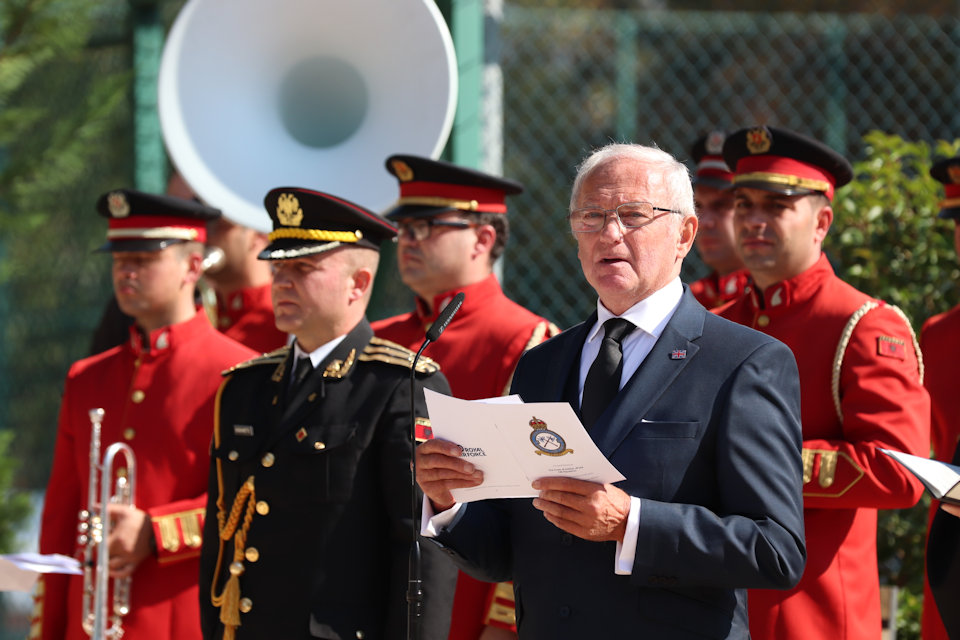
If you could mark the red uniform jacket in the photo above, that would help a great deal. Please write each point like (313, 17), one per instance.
(714, 290)
(940, 341)
(477, 353)
(882, 404)
(247, 317)
(158, 397)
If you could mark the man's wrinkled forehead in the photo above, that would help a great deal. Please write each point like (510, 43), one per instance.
(619, 176)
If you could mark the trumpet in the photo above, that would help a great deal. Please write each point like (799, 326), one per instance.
(94, 530)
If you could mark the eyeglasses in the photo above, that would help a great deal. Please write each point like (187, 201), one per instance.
(421, 229)
(632, 215)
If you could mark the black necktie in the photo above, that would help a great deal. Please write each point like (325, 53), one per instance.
(603, 379)
(300, 371)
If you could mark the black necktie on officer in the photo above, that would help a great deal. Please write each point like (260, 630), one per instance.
(603, 379)
(301, 370)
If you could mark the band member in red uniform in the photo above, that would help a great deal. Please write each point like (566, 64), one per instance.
(713, 197)
(860, 379)
(239, 281)
(453, 226)
(236, 294)
(157, 391)
(940, 341)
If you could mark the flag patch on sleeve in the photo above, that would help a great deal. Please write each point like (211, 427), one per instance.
(891, 347)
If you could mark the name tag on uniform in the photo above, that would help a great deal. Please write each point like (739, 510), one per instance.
(242, 430)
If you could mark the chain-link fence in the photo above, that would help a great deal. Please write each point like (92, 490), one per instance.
(577, 79)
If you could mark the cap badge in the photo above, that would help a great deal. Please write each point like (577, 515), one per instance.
(758, 140)
(118, 205)
(402, 170)
(954, 172)
(289, 212)
(714, 143)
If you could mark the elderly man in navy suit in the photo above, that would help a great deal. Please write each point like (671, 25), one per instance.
(701, 415)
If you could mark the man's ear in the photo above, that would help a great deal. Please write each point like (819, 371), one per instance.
(194, 262)
(486, 238)
(362, 281)
(823, 219)
(688, 231)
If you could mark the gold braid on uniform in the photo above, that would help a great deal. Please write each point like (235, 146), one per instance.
(315, 234)
(845, 340)
(541, 332)
(841, 349)
(380, 350)
(913, 336)
(229, 599)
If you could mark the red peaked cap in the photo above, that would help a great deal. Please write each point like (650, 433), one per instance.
(148, 222)
(431, 187)
(784, 161)
(948, 172)
(711, 170)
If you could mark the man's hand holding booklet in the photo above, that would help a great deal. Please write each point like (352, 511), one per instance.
(515, 443)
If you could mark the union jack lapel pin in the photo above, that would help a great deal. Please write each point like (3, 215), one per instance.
(678, 354)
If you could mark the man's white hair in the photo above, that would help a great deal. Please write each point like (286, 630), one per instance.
(662, 169)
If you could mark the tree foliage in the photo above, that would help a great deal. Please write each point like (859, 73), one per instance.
(14, 506)
(63, 140)
(886, 238)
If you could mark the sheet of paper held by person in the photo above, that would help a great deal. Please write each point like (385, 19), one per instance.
(19, 571)
(514, 443)
(942, 480)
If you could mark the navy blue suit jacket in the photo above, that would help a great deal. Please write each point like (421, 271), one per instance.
(707, 433)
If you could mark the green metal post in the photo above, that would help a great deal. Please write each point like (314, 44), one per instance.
(150, 160)
(836, 107)
(627, 103)
(465, 18)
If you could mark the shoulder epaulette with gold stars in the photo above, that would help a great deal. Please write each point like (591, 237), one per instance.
(392, 353)
(274, 357)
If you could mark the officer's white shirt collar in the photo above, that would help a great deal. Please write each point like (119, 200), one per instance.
(317, 355)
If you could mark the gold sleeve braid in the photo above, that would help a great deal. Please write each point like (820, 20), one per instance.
(36, 620)
(829, 472)
(502, 611)
(180, 528)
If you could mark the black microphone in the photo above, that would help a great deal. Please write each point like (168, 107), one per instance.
(414, 583)
(433, 333)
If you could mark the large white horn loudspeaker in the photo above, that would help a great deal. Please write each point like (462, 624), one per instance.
(311, 93)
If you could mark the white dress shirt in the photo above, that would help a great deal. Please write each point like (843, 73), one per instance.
(649, 316)
(317, 355)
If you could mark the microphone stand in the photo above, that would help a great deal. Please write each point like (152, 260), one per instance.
(414, 582)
